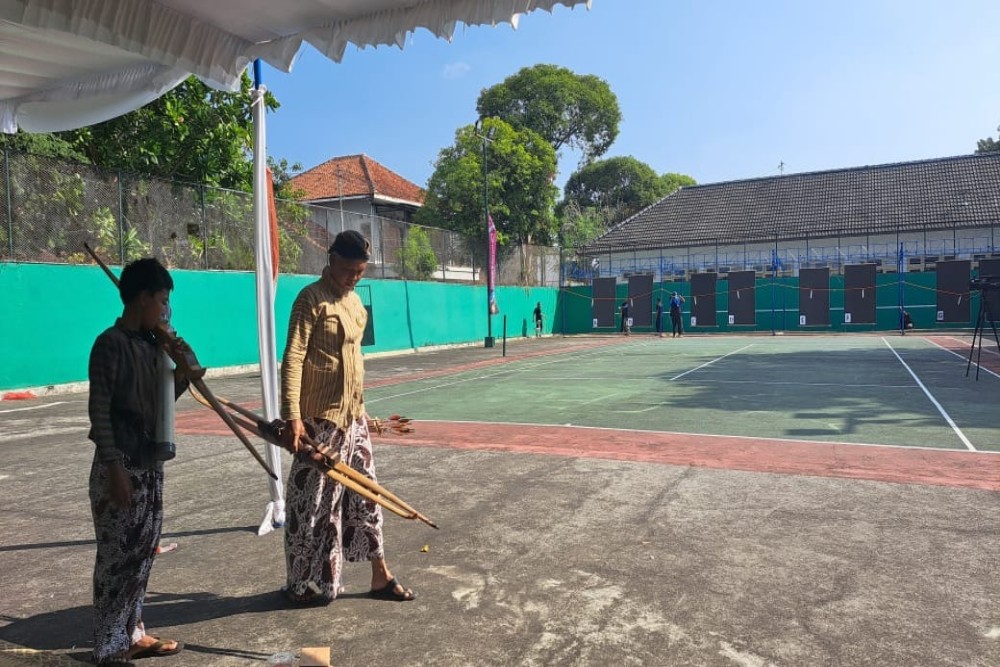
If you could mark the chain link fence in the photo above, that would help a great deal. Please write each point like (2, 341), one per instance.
(50, 208)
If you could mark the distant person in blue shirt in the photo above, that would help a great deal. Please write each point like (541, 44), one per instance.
(676, 318)
(626, 328)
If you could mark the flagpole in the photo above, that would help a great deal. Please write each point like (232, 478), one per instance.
(266, 278)
(491, 238)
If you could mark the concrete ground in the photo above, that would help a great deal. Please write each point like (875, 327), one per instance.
(540, 560)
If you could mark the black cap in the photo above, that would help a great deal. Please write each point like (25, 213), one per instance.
(350, 244)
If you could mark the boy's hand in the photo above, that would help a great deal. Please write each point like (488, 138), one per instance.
(119, 485)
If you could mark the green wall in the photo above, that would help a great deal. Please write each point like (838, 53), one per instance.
(777, 306)
(53, 313)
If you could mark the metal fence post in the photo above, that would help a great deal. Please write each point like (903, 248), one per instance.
(381, 241)
(10, 203)
(204, 226)
(121, 219)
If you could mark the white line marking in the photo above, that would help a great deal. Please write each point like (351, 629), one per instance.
(708, 363)
(38, 407)
(716, 435)
(989, 349)
(963, 358)
(768, 383)
(954, 426)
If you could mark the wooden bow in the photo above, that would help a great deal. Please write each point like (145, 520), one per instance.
(332, 465)
(192, 370)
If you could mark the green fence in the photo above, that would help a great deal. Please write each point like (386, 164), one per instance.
(776, 305)
(54, 313)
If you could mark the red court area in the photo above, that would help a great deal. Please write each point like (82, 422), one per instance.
(986, 355)
(973, 470)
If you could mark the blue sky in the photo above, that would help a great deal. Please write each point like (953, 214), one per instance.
(716, 89)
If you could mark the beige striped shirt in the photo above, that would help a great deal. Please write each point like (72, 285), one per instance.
(322, 371)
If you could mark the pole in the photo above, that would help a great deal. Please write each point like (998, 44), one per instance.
(505, 335)
(10, 205)
(901, 290)
(774, 278)
(489, 269)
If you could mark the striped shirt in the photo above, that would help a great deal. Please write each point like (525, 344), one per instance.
(322, 370)
(124, 397)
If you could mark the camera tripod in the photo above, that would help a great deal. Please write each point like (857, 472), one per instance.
(985, 315)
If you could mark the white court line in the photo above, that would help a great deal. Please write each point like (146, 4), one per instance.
(38, 407)
(954, 426)
(715, 435)
(511, 371)
(962, 357)
(768, 383)
(989, 349)
(708, 363)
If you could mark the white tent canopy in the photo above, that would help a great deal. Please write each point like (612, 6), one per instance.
(68, 64)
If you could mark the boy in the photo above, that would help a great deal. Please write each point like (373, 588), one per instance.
(538, 320)
(126, 478)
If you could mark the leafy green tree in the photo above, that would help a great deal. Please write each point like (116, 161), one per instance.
(620, 186)
(42, 144)
(579, 226)
(520, 164)
(416, 257)
(988, 145)
(193, 134)
(565, 108)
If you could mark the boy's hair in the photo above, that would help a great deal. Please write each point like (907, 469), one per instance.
(143, 275)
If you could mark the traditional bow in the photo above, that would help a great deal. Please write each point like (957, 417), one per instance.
(332, 465)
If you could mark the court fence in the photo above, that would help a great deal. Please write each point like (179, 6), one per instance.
(49, 208)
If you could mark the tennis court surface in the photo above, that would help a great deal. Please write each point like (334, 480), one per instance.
(707, 500)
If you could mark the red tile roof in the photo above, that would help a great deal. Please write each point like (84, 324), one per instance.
(359, 176)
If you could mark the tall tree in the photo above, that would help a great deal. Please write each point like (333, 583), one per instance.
(565, 108)
(988, 145)
(43, 144)
(520, 167)
(621, 185)
(193, 133)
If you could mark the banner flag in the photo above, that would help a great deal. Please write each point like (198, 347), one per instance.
(492, 281)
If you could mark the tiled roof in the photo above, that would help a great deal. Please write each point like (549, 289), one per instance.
(942, 193)
(359, 176)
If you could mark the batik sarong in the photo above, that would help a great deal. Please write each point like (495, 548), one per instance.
(327, 524)
(126, 544)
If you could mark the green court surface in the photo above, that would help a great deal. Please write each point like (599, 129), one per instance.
(866, 389)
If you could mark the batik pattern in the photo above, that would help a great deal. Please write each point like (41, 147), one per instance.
(126, 544)
(327, 524)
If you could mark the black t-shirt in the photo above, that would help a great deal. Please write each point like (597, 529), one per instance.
(538, 313)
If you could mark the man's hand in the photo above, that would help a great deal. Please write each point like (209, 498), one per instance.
(295, 430)
(292, 435)
(119, 485)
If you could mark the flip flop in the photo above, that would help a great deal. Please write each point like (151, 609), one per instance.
(388, 592)
(157, 650)
(313, 600)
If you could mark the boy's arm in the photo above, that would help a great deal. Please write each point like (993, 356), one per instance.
(300, 325)
(103, 369)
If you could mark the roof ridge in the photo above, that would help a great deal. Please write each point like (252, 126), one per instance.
(368, 174)
(884, 165)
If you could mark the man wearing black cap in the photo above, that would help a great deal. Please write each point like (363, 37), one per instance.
(322, 382)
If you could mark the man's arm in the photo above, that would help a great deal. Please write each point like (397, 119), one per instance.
(300, 326)
(102, 371)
